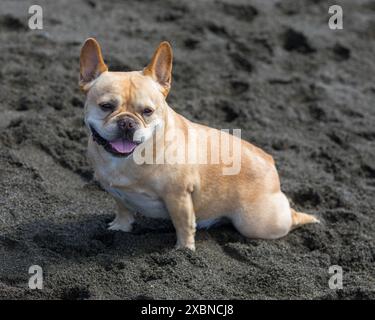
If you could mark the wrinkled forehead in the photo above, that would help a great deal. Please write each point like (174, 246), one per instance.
(129, 88)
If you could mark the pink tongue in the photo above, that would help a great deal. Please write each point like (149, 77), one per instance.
(123, 146)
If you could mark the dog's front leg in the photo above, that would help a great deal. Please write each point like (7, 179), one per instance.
(124, 218)
(181, 211)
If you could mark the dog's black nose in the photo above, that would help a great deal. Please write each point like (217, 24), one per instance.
(126, 123)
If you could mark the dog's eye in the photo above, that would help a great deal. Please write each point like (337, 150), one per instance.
(148, 111)
(107, 107)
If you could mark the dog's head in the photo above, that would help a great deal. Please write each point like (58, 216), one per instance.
(123, 109)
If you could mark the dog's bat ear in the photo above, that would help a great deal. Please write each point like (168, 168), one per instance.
(91, 62)
(160, 67)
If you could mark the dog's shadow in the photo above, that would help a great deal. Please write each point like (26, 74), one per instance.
(69, 251)
(88, 237)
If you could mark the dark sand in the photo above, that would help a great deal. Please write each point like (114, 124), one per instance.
(274, 69)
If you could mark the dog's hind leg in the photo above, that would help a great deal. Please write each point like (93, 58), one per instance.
(124, 219)
(270, 217)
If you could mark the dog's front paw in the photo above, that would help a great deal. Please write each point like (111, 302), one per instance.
(120, 225)
(190, 246)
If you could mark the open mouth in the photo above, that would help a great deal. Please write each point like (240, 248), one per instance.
(120, 147)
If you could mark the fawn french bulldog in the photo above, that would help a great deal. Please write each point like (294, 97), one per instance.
(126, 112)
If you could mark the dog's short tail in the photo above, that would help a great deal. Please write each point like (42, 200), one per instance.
(300, 218)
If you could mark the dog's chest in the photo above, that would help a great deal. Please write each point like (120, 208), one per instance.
(123, 187)
(141, 202)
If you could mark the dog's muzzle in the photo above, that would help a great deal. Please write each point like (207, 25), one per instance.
(122, 146)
